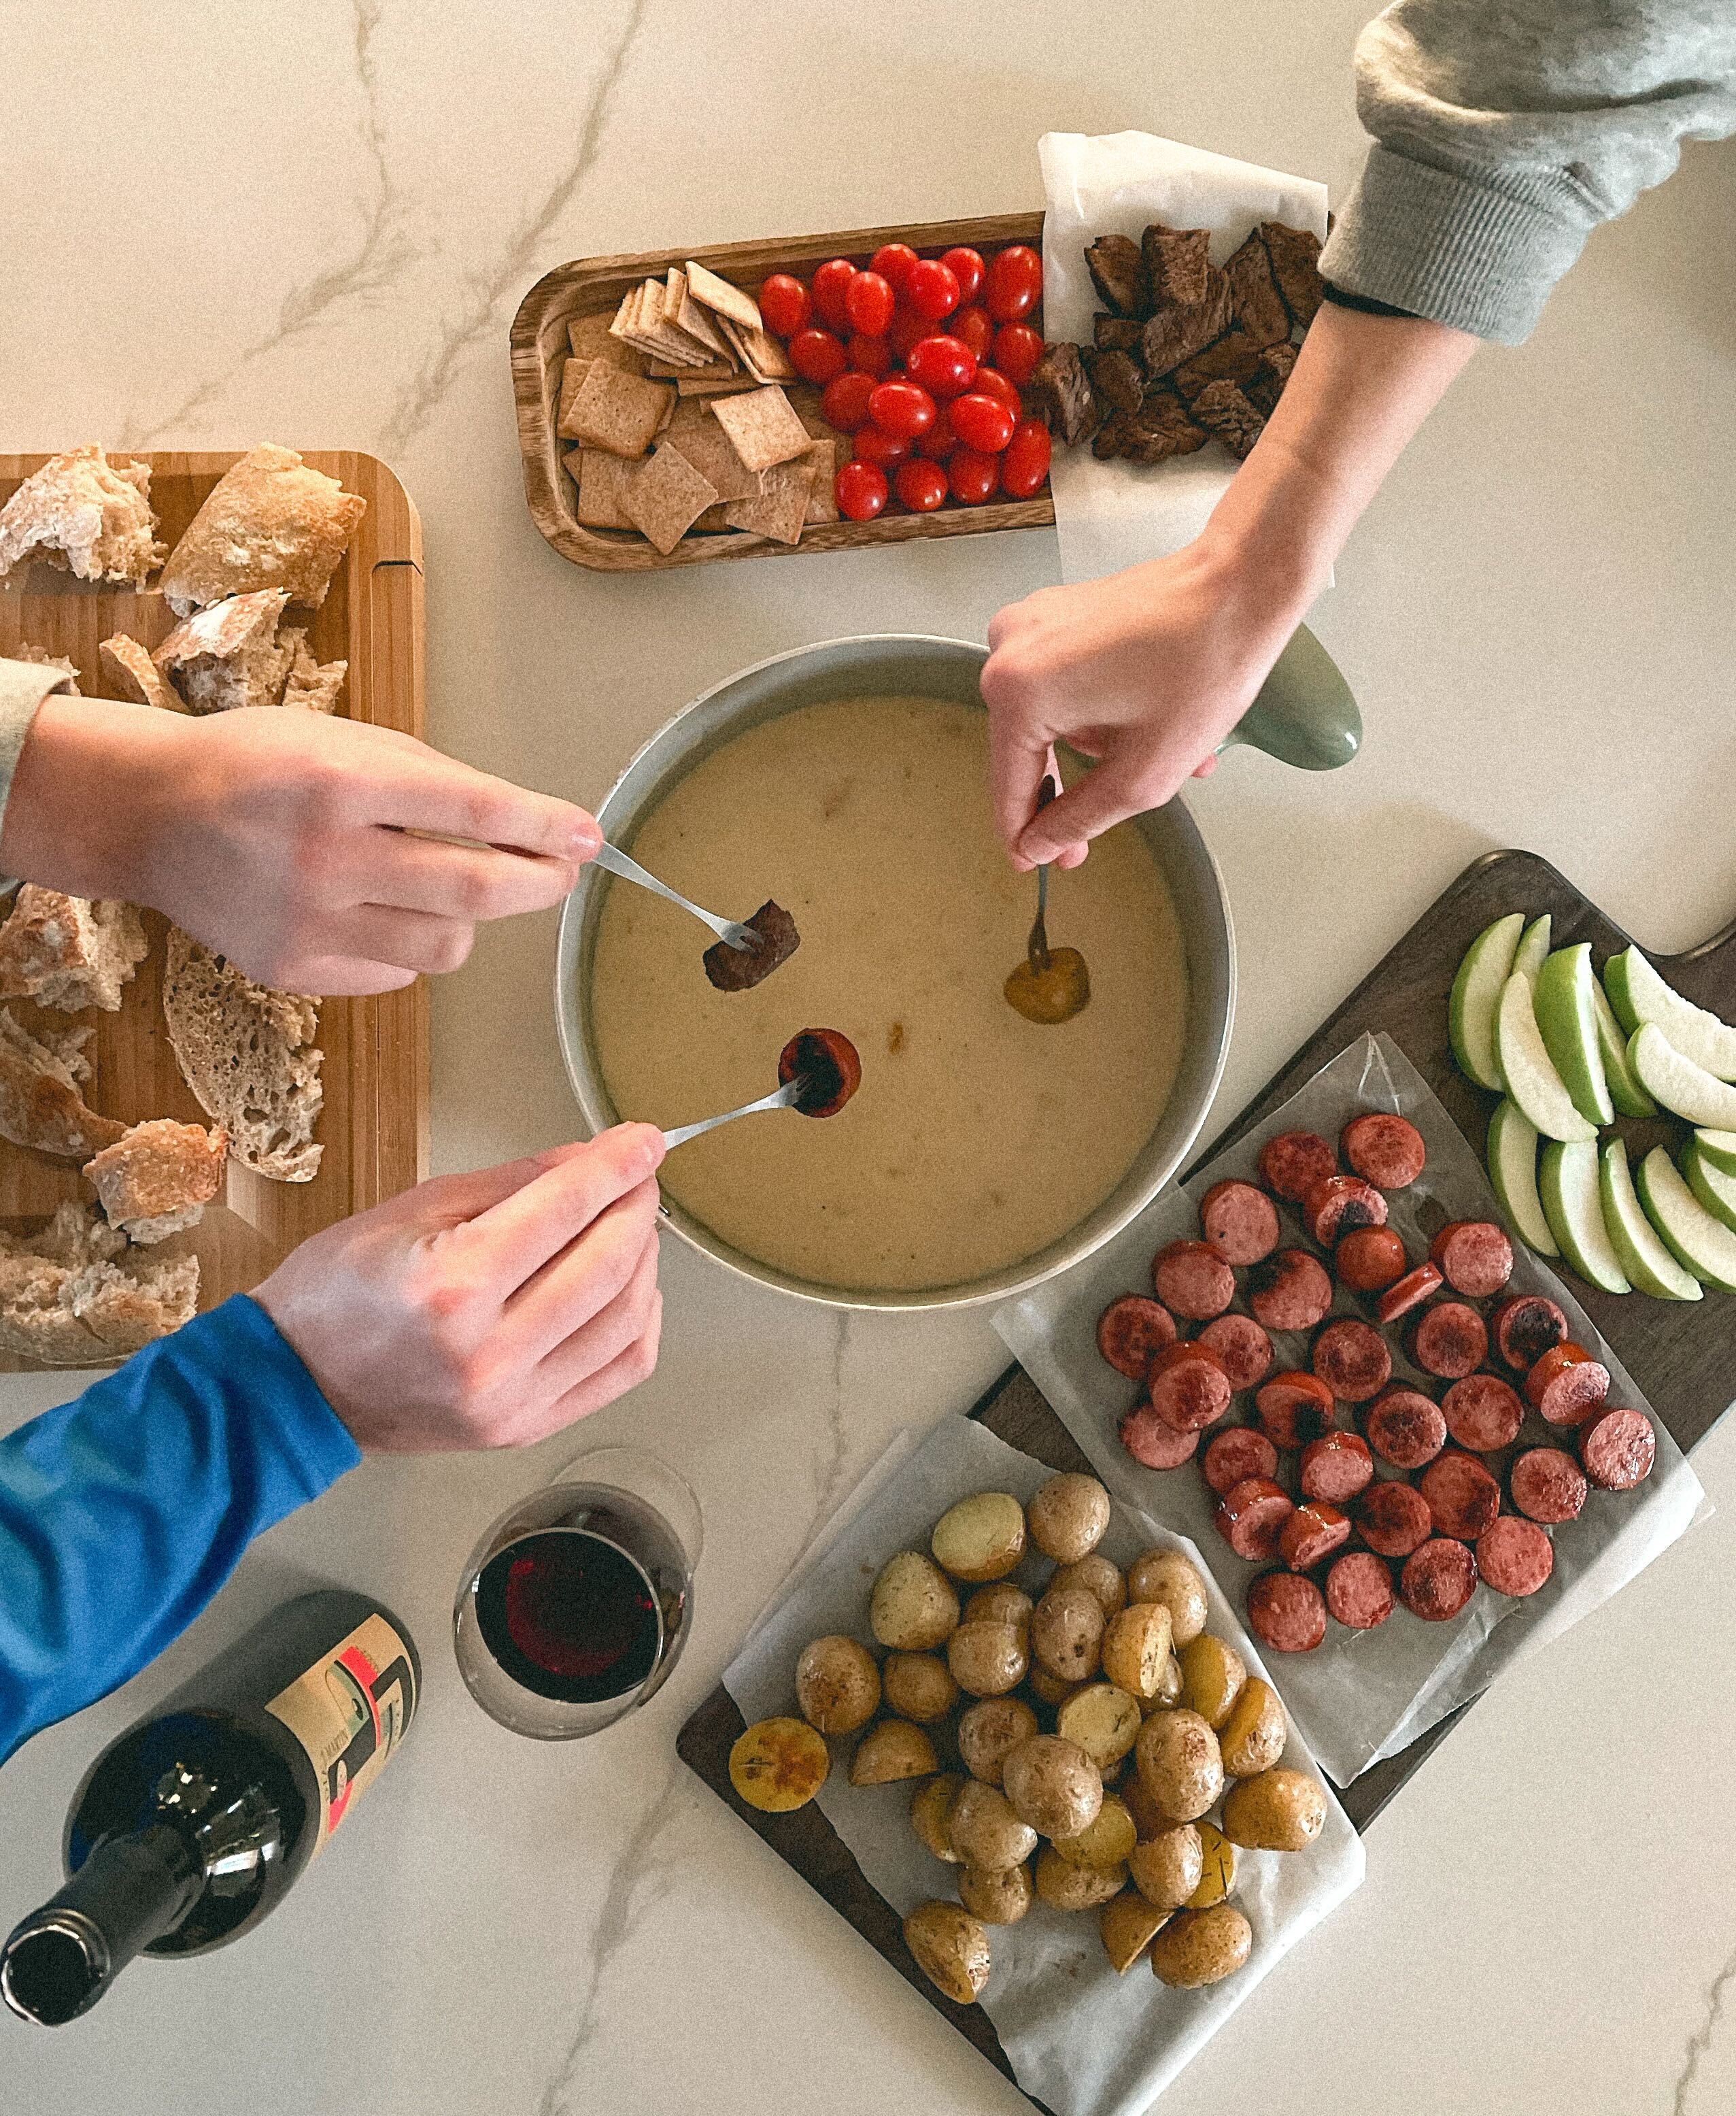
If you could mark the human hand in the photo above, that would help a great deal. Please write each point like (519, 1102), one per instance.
(486, 1310)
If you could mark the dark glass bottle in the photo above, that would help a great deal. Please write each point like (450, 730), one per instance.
(192, 1825)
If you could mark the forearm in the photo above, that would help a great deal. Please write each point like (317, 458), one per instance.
(91, 793)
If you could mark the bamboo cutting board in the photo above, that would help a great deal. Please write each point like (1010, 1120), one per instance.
(375, 1124)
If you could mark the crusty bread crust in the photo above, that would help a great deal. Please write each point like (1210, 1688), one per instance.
(315, 686)
(74, 1295)
(243, 1050)
(140, 679)
(270, 522)
(229, 654)
(40, 1106)
(85, 515)
(69, 952)
(159, 1179)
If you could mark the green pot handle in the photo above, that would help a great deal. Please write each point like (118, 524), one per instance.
(1304, 713)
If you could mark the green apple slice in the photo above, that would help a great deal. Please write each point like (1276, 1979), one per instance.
(1567, 1183)
(1639, 994)
(1700, 1242)
(1629, 1097)
(1532, 1081)
(1533, 948)
(1719, 1148)
(1677, 1082)
(1715, 1187)
(1512, 1170)
(1563, 999)
(1476, 993)
(1637, 1242)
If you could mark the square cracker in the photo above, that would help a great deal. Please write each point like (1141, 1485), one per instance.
(591, 338)
(704, 385)
(573, 371)
(598, 475)
(616, 411)
(763, 425)
(822, 461)
(779, 510)
(723, 299)
(663, 498)
(713, 454)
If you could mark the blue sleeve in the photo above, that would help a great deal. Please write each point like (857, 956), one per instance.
(122, 1512)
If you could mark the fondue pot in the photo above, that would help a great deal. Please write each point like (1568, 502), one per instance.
(1304, 715)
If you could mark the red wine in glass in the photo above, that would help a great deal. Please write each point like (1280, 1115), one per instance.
(569, 1615)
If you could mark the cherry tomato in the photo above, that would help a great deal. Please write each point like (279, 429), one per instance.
(902, 408)
(844, 407)
(869, 356)
(1025, 463)
(875, 446)
(817, 357)
(933, 291)
(1017, 349)
(869, 302)
(909, 330)
(944, 367)
(982, 424)
(966, 268)
(894, 262)
(989, 382)
(921, 486)
(861, 491)
(1015, 283)
(974, 328)
(940, 441)
(784, 304)
(972, 477)
(831, 283)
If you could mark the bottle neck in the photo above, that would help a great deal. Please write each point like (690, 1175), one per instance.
(131, 1891)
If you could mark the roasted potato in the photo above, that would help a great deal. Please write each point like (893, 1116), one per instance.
(982, 1538)
(838, 1684)
(1252, 1738)
(913, 1607)
(987, 1660)
(779, 1764)
(1051, 1690)
(931, 1811)
(1136, 1649)
(1166, 1576)
(892, 1749)
(1053, 1785)
(1166, 1868)
(1278, 1811)
(1068, 1516)
(918, 1687)
(951, 1950)
(1066, 1887)
(986, 1833)
(1149, 1818)
(1127, 1922)
(1108, 1842)
(1103, 1579)
(1066, 1633)
(1217, 1868)
(1168, 1688)
(1001, 1898)
(1103, 1720)
(1179, 1764)
(1201, 1946)
(1002, 1603)
(988, 1729)
(1212, 1674)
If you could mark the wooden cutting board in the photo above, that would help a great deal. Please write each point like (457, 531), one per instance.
(374, 1123)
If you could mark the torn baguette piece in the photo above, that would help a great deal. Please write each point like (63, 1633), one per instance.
(87, 515)
(230, 654)
(73, 1295)
(315, 686)
(270, 522)
(142, 683)
(69, 952)
(157, 1178)
(40, 1105)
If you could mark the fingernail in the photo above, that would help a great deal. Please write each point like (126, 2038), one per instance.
(650, 1145)
(585, 838)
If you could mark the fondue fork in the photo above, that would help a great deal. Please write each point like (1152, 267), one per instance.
(726, 930)
(1037, 948)
(784, 1098)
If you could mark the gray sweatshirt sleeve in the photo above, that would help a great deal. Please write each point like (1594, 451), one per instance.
(1506, 130)
(23, 687)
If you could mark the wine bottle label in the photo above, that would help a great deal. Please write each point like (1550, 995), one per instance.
(349, 1712)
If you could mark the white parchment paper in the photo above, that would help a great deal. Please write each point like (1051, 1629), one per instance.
(1083, 2039)
(1108, 515)
(1362, 1694)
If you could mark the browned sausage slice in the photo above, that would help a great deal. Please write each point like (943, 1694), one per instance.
(1548, 1485)
(1567, 1384)
(1294, 1408)
(1339, 1203)
(1462, 1498)
(1405, 1428)
(1448, 1341)
(1515, 1556)
(1409, 1292)
(1370, 1259)
(1286, 1613)
(1475, 1257)
(1385, 1150)
(1618, 1448)
(1352, 1360)
(1438, 1581)
(1483, 1413)
(1312, 1533)
(1132, 1332)
(1292, 1163)
(1239, 1222)
(1188, 1386)
(1193, 1280)
(1243, 1345)
(1393, 1518)
(1336, 1467)
(1238, 1452)
(1524, 1328)
(1154, 1441)
(1289, 1290)
(1359, 1590)
(1250, 1516)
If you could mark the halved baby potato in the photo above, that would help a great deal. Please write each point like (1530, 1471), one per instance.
(1107, 1842)
(1166, 1576)
(1001, 1898)
(951, 1948)
(931, 1814)
(1095, 1571)
(985, 1834)
(987, 1660)
(913, 1608)
(1103, 1720)
(1136, 1649)
(1128, 1923)
(988, 1729)
(838, 1684)
(1217, 1867)
(918, 1687)
(1212, 1674)
(1068, 1516)
(1001, 1603)
(1277, 1811)
(892, 1749)
(778, 1765)
(1252, 1738)
(981, 1538)
(1166, 1868)
(1066, 1887)
(1196, 1948)
(1066, 1633)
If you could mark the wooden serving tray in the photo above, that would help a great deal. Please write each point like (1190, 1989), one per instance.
(374, 1123)
(539, 344)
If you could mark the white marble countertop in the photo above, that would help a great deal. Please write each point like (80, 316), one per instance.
(312, 225)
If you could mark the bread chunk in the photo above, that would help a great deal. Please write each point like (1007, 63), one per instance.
(315, 686)
(230, 654)
(249, 1055)
(74, 1295)
(141, 681)
(270, 522)
(85, 515)
(40, 1105)
(69, 952)
(160, 1177)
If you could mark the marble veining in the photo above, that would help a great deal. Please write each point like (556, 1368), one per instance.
(1700, 2040)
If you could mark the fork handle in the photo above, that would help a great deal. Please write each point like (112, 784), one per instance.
(613, 861)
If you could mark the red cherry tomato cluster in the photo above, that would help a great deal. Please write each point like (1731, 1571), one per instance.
(920, 359)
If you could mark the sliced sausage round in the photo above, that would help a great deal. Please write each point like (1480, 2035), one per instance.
(1250, 1516)
(1411, 1291)
(1193, 1280)
(1154, 1441)
(1370, 1259)
(1294, 1408)
(1618, 1448)
(1289, 1290)
(1312, 1533)
(1238, 1452)
(1393, 1518)
(1462, 1498)
(1385, 1150)
(1438, 1580)
(1243, 1345)
(1448, 1341)
(1475, 1257)
(1547, 1485)
(1132, 1332)
(1352, 1360)
(1483, 1413)
(1524, 1328)
(1359, 1590)
(1567, 1384)
(1292, 1163)
(1286, 1612)
(1336, 1467)
(1515, 1556)
(1405, 1428)
(1339, 1203)
(1188, 1386)
(1239, 1222)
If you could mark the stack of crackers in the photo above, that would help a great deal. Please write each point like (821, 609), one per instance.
(683, 422)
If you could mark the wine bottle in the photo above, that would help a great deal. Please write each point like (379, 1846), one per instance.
(192, 1825)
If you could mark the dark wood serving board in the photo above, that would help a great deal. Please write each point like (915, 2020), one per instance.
(1684, 1359)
